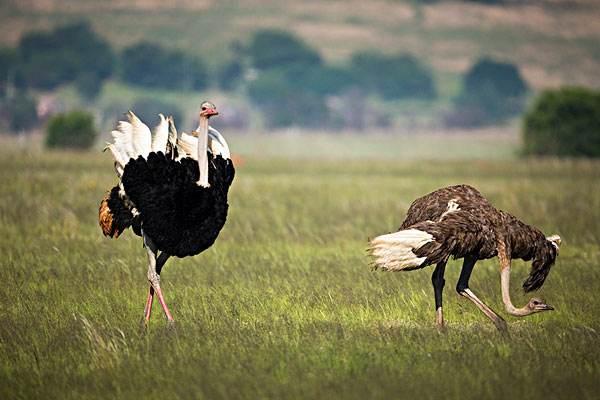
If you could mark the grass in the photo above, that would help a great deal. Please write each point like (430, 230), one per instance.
(284, 305)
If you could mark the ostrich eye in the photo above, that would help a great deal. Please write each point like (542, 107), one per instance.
(536, 302)
(203, 108)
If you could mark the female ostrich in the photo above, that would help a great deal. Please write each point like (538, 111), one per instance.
(172, 191)
(458, 221)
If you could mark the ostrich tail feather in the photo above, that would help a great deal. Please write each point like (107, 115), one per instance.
(395, 251)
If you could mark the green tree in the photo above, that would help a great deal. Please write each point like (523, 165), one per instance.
(150, 65)
(230, 75)
(283, 105)
(492, 91)
(393, 76)
(322, 80)
(8, 68)
(271, 48)
(563, 122)
(148, 109)
(21, 112)
(48, 59)
(73, 130)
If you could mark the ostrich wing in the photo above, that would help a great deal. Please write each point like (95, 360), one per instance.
(161, 135)
(217, 143)
(141, 136)
(187, 146)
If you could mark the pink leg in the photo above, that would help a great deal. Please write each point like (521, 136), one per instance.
(148, 308)
(154, 268)
(161, 299)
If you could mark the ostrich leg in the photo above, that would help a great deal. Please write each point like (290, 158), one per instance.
(160, 262)
(462, 287)
(154, 278)
(438, 281)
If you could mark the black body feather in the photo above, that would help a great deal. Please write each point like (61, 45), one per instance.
(122, 218)
(181, 218)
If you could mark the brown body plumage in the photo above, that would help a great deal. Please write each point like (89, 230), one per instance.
(458, 221)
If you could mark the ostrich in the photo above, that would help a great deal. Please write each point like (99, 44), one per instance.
(458, 221)
(172, 191)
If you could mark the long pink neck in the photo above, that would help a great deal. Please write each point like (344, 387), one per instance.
(202, 149)
(508, 305)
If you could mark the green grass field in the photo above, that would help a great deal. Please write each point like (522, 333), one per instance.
(285, 305)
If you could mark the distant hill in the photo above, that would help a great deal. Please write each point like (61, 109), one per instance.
(553, 42)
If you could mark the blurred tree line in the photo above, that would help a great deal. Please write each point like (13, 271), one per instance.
(282, 76)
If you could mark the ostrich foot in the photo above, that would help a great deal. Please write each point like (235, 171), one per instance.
(161, 299)
(439, 320)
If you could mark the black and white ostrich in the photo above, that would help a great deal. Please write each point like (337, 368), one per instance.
(458, 221)
(172, 191)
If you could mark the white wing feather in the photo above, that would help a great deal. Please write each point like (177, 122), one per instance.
(161, 135)
(217, 143)
(133, 138)
(141, 136)
(123, 138)
(187, 146)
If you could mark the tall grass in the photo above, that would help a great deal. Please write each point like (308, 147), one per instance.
(284, 305)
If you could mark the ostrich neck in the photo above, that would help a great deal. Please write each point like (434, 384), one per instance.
(202, 148)
(508, 305)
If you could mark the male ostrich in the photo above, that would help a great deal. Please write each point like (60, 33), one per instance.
(458, 221)
(172, 191)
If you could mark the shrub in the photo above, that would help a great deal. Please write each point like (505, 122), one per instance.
(563, 122)
(74, 130)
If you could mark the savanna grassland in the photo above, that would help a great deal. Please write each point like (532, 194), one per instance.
(285, 304)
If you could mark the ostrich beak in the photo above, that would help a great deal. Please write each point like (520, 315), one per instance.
(544, 307)
(210, 112)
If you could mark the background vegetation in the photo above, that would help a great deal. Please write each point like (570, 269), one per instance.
(564, 122)
(73, 130)
(219, 52)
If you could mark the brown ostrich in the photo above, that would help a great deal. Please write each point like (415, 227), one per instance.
(458, 221)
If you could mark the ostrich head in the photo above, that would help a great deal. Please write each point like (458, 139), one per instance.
(537, 305)
(208, 109)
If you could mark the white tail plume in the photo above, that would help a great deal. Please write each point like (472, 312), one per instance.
(394, 251)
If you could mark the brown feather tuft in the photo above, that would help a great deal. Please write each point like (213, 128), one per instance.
(105, 219)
